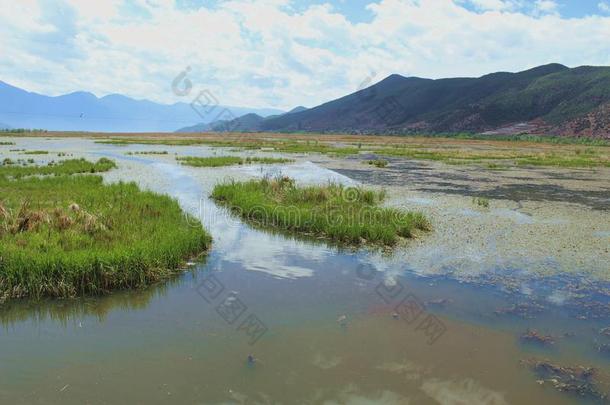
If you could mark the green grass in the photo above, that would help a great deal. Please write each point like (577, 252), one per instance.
(266, 160)
(562, 161)
(550, 139)
(167, 142)
(334, 212)
(579, 158)
(36, 152)
(218, 161)
(66, 167)
(63, 234)
(213, 161)
(463, 156)
(21, 130)
(148, 152)
(254, 144)
(481, 202)
(380, 163)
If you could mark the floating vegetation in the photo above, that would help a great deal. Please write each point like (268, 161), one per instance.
(36, 152)
(291, 146)
(457, 150)
(495, 166)
(168, 142)
(575, 380)
(533, 336)
(522, 310)
(481, 202)
(604, 349)
(63, 235)
(218, 161)
(380, 163)
(65, 167)
(335, 212)
(149, 152)
(568, 158)
(2, 143)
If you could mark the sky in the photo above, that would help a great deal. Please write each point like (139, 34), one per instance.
(284, 53)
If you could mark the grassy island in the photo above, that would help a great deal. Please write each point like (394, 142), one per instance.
(218, 161)
(341, 214)
(64, 233)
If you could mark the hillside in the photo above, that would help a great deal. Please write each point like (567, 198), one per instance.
(550, 99)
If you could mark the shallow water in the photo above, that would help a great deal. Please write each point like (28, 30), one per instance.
(320, 319)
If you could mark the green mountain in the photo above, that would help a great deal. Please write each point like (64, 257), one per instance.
(546, 99)
(549, 99)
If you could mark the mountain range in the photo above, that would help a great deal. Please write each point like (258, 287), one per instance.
(82, 111)
(246, 123)
(549, 99)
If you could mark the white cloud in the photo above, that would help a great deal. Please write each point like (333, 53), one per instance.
(495, 5)
(263, 53)
(547, 6)
(604, 6)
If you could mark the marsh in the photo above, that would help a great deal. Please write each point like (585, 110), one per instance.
(420, 322)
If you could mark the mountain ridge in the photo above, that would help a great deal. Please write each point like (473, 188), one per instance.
(84, 111)
(547, 99)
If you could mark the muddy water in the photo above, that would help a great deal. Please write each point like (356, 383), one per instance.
(327, 330)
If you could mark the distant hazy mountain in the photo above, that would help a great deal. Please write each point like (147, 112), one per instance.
(546, 99)
(4, 126)
(246, 123)
(82, 111)
(297, 109)
(550, 99)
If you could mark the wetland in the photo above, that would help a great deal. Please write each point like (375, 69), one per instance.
(498, 293)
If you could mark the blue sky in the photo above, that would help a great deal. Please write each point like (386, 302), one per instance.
(283, 53)
(356, 10)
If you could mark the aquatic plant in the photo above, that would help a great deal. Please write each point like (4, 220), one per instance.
(63, 235)
(577, 380)
(342, 214)
(380, 163)
(481, 202)
(65, 167)
(451, 150)
(218, 161)
(533, 336)
(36, 152)
(148, 152)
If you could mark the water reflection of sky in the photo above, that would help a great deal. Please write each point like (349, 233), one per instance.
(239, 245)
(291, 284)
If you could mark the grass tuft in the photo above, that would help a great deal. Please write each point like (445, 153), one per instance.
(380, 163)
(148, 152)
(36, 152)
(341, 214)
(65, 235)
(481, 202)
(218, 161)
